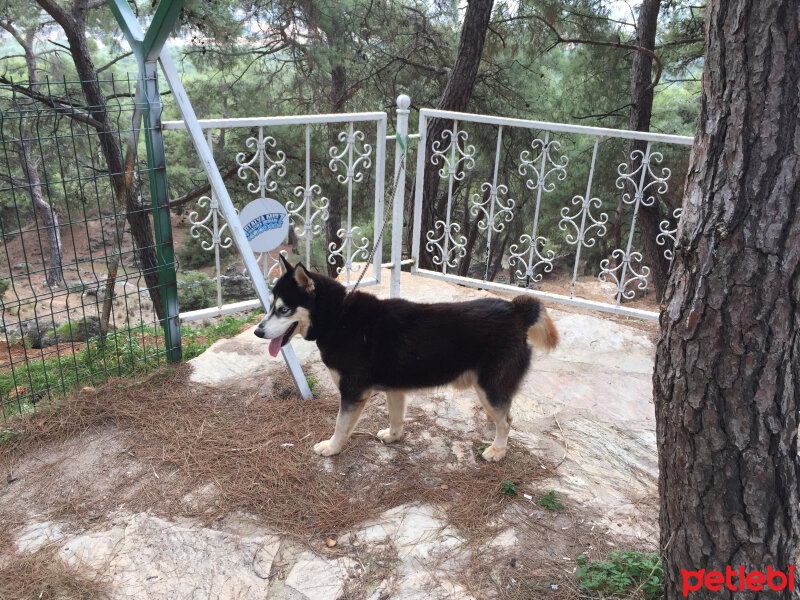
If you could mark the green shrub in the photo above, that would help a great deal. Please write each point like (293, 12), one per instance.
(196, 290)
(196, 341)
(311, 380)
(622, 573)
(479, 451)
(81, 330)
(192, 255)
(119, 354)
(4, 285)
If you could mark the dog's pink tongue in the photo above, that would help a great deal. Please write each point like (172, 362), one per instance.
(275, 345)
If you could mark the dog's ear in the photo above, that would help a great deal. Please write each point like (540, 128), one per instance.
(289, 268)
(302, 278)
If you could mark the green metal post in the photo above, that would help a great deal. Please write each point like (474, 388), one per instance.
(147, 49)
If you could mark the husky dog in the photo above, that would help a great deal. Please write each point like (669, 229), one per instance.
(396, 345)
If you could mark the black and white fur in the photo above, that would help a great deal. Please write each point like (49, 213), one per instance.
(396, 345)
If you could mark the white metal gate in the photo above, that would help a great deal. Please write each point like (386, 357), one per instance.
(514, 177)
(536, 172)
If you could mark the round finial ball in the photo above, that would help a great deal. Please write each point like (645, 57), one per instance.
(403, 102)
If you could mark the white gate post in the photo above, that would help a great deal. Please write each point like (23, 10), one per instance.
(398, 208)
(420, 179)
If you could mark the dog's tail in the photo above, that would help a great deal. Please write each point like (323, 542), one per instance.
(542, 332)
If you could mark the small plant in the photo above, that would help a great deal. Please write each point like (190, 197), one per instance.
(311, 380)
(551, 500)
(115, 355)
(622, 573)
(197, 341)
(508, 489)
(479, 453)
(196, 290)
(4, 285)
(7, 434)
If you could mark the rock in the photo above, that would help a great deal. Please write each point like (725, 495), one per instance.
(84, 329)
(37, 335)
(416, 531)
(237, 287)
(149, 557)
(98, 291)
(318, 579)
(421, 584)
(73, 285)
(13, 332)
(51, 338)
(36, 535)
(506, 539)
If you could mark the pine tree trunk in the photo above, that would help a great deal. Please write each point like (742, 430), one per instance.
(455, 97)
(336, 103)
(727, 378)
(74, 25)
(640, 114)
(45, 213)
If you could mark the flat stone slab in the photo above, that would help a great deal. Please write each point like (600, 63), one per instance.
(146, 557)
(317, 578)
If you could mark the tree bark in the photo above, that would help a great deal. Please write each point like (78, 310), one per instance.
(727, 376)
(46, 214)
(455, 97)
(640, 114)
(74, 25)
(45, 211)
(336, 102)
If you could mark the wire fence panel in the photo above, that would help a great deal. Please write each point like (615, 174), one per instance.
(80, 299)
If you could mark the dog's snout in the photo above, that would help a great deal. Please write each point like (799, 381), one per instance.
(259, 332)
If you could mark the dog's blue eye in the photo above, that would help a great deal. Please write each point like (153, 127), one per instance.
(283, 310)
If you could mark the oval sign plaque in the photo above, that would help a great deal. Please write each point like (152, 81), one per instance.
(266, 224)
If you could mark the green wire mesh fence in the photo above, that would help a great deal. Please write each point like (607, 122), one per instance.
(79, 293)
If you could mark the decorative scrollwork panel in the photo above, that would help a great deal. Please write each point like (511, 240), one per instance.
(262, 165)
(451, 246)
(645, 184)
(529, 256)
(668, 233)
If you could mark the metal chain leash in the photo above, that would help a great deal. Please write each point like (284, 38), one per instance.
(386, 211)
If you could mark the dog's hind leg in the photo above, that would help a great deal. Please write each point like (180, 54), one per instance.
(499, 409)
(487, 408)
(349, 413)
(396, 404)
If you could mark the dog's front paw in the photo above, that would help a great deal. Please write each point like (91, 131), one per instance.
(326, 448)
(492, 454)
(386, 436)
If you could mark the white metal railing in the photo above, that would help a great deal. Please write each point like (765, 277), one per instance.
(542, 167)
(263, 165)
